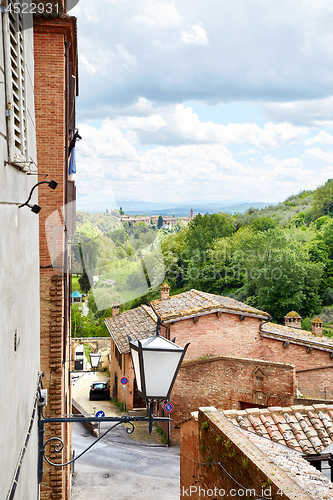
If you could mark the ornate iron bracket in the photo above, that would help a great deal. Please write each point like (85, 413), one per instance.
(59, 444)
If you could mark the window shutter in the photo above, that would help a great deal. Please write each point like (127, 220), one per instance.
(15, 74)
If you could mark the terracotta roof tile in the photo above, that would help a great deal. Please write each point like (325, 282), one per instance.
(195, 302)
(309, 479)
(307, 430)
(295, 335)
(136, 323)
(141, 322)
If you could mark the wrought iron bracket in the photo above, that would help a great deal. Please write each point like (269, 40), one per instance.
(58, 444)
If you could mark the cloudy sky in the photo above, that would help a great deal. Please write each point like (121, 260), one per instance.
(206, 100)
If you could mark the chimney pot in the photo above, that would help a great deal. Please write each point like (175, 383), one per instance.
(293, 319)
(115, 309)
(317, 327)
(165, 290)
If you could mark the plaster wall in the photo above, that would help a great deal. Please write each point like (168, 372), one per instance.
(19, 305)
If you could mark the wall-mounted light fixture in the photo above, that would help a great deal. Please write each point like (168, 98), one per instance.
(156, 363)
(36, 208)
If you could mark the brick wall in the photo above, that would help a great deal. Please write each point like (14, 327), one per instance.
(226, 381)
(50, 105)
(215, 454)
(226, 334)
(217, 334)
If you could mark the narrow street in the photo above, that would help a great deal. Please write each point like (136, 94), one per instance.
(117, 466)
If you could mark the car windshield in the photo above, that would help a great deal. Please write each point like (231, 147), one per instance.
(99, 386)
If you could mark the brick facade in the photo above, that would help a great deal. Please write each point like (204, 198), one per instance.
(53, 63)
(228, 382)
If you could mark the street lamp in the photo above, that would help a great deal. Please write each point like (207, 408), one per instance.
(95, 358)
(156, 363)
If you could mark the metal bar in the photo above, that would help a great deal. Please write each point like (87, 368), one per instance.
(102, 419)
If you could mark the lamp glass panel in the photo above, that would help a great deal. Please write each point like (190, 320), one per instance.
(94, 359)
(160, 368)
(136, 366)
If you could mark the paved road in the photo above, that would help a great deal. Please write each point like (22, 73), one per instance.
(80, 392)
(118, 468)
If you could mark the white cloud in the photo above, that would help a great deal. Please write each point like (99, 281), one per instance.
(323, 138)
(312, 113)
(107, 159)
(319, 154)
(285, 163)
(180, 125)
(248, 152)
(272, 51)
(158, 13)
(196, 36)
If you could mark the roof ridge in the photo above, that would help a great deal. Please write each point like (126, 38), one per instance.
(200, 293)
(307, 335)
(149, 311)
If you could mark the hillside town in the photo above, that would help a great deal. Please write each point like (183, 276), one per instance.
(154, 355)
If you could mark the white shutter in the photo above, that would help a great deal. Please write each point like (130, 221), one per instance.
(15, 69)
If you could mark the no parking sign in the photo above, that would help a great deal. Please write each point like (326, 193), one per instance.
(124, 380)
(168, 407)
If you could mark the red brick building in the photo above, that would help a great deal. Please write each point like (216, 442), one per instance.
(220, 331)
(55, 53)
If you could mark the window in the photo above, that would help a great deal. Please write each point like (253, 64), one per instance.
(16, 95)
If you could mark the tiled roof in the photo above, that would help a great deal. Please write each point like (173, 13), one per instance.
(194, 302)
(296, 335)
(141, 322)
(307, 429)
(136, 323)
(308, 478)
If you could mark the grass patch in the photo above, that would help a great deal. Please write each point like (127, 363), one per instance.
(75, 283)
(119, 405)
(161, 432)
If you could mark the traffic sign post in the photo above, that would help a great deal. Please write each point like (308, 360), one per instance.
(168, 407)
(100, 414)
(124, 381)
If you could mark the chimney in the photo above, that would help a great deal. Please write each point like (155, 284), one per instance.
(115, 309)
(317, 327)
(165, 289)
(293, 319)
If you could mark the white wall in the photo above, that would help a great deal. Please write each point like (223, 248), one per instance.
(19, 304)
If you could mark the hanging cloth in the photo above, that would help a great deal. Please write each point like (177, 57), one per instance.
(72, 163)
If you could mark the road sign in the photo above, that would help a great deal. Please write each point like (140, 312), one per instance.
(168, 407)
(100, 414)
(124, 380)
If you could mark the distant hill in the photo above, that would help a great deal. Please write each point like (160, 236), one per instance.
(101, 203)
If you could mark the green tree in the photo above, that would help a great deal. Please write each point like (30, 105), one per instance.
(159, 222)
(263, 224)
(323, 199)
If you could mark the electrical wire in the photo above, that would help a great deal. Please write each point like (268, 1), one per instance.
(11, 492)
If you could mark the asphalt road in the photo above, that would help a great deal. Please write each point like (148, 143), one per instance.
(118, 468)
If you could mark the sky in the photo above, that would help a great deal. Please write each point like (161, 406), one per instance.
(204, 100)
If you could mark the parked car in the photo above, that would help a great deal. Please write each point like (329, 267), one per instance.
(99, 390)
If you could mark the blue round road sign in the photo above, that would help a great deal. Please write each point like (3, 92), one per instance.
(124, 380)
(168, 407)
(100, 414)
